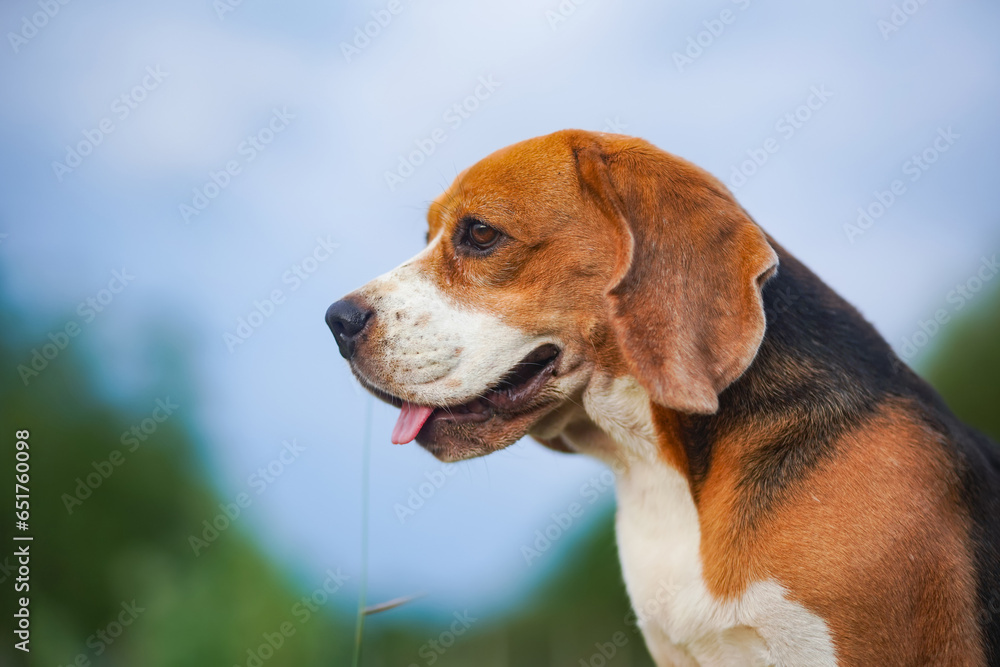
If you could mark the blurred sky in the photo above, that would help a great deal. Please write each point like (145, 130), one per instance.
(344, 120)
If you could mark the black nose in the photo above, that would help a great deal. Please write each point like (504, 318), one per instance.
(347, 320)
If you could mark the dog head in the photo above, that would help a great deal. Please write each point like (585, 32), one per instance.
(553, 264)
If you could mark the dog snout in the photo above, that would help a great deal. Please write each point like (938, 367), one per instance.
(347, 319)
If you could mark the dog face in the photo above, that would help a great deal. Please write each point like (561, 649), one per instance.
(550, 263)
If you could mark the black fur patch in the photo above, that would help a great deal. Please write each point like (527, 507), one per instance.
(822, 371)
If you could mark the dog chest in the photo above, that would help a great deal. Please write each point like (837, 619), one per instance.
(659, 541)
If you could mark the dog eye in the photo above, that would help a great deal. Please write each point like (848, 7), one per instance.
(481, 236)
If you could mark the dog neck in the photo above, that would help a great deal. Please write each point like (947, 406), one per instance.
(773, 425)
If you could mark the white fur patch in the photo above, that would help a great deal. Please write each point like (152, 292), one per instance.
(439, 352)
(659, 538)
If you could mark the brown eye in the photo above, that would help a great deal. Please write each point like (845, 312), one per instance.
(481, 236)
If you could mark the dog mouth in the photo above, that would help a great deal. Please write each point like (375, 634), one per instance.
(514, 394)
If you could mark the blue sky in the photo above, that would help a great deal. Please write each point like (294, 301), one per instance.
(288, 136)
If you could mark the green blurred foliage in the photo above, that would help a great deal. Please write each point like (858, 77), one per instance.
(965, 369)
(129, 541)
(579, 605)
(125, 537)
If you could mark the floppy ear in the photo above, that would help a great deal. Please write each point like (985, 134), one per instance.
(685, 302)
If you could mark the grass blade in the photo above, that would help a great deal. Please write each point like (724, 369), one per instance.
(365, 481)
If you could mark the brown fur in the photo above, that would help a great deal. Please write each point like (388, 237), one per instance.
(810, 452)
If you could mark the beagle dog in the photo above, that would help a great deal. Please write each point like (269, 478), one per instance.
(789, 492)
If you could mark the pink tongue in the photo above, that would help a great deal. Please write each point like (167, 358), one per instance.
(411, 420)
